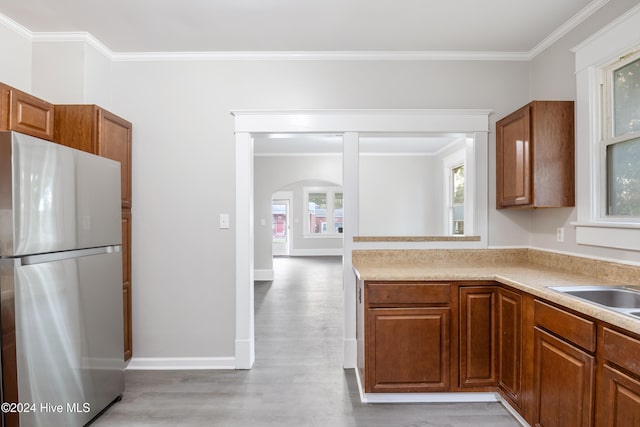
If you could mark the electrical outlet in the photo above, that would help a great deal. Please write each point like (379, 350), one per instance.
(560, 234)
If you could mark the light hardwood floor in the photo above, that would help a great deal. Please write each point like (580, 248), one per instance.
(297, 379)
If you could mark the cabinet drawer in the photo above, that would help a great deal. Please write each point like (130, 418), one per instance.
(575, 329)
(621, 350)
(408, 293)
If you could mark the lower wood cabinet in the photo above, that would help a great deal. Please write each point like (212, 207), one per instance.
(478, 336)
(563, 383)
(557, 368)
(564, 368)
(618, 402)
(408, 349)
(126, 283)
(510, 346)
(403, 331)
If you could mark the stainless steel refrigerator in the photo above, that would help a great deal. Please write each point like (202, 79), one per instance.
(60, 283)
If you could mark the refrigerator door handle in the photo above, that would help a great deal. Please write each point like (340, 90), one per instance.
(59, 256)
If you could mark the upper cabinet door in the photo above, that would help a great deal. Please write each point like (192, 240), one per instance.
(96, 130)
(535, 156)
(114, 142)
(513, 160)
(25, 113)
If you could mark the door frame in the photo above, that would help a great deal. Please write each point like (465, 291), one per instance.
(348, 123)
(287, 198)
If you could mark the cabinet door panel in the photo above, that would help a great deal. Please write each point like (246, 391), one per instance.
(563, 383)
(25, 113)
(408, 349)
(126, 283)
(114, 136)
(620, 399)
(513, 159)
(31, 115)
(477, 336)
(510, 345)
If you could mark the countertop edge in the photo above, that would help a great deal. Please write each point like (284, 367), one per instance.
(532, 279)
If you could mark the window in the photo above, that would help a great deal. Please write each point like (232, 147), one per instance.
(607, 136)
(456, 196)
(324, 211)
(457, 216)
(621, 139)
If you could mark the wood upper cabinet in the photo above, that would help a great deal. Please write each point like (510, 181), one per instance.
(25, 113)
(96, 130)
(618, 402)
(478, 336)
(535, 156)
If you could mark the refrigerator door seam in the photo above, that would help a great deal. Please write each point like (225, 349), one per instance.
(59, 256)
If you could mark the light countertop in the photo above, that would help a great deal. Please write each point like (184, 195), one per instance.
(534, 279)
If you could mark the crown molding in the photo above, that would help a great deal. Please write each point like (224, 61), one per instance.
(45, 37)
(15, 27)
(323, 56)
(78, 36)
(565, 28)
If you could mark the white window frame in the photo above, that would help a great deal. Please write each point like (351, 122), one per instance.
(330, 191)
(593, 58)
(451, 204)
(608, 137)
(449, 163)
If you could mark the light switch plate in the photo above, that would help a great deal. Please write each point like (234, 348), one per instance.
(224, 220)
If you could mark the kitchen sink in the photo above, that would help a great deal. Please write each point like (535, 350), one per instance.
(618, 298)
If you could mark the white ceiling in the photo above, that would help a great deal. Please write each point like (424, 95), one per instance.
(304, 25)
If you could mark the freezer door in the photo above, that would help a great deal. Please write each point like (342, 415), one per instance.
(68, 336)
(55, 198)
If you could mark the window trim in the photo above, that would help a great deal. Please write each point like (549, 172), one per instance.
(330, 191)
(608, 137)
(450, 162)
(593, 56)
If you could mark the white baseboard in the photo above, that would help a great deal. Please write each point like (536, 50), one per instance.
(263, 275)
(448, 397)
(245, 353)
(514, 413)
(350, 353)
(453, 397)
(317, 252)
(180, 363)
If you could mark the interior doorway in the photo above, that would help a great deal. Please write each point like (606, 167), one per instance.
(280, 227)
(348, 124)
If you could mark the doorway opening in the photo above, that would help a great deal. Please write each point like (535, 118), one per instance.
(348, 125)
(280, 227)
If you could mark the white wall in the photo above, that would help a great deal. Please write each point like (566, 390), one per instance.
(552, 77)
(15, 57)
(399, 196)
(275, 173)
(71, 72)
